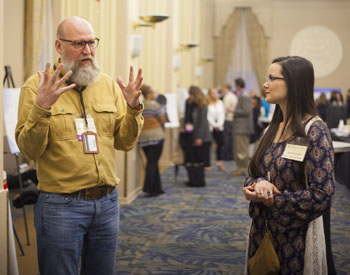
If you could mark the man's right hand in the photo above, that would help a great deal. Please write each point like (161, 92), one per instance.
(49, 90)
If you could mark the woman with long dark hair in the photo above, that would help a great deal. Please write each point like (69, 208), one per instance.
(291, 175)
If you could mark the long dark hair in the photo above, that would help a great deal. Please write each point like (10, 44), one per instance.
(299, 76)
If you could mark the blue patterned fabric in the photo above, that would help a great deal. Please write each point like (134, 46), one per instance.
(297, 205)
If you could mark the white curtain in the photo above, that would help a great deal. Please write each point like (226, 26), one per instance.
(241, 63)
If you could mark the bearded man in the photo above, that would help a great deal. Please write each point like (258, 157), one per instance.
(71, 118)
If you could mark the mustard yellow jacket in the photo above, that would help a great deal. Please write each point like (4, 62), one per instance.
(50, 137)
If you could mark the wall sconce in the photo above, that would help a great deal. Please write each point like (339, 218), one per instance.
(198, 71)
(177, 62)
(185, 46)
(151, 20)
(136, 45)
(207, 59)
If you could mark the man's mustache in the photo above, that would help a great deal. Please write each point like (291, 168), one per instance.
(86, 58)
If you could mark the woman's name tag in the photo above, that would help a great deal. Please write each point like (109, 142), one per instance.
(295, 152)
(90, 143)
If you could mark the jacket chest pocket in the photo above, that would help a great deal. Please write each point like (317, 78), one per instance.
(105, 119)
(62, 125)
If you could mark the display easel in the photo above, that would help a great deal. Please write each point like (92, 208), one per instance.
(8, 78)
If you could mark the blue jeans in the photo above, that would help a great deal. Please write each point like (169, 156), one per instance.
(72, 232)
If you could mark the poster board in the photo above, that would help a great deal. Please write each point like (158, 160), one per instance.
(11, 98)
(172, 111)
(182, 95)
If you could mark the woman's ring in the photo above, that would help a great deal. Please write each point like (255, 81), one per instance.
(260, 193)
(269, 192)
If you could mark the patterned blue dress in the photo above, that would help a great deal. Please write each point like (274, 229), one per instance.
(296, 206)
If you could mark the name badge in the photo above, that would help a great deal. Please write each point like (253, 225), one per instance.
(294, 152)
(81, 127)
(90, 143)
(189, 128)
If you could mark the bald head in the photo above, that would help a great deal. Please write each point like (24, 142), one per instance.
(73, 25)
(76, 44)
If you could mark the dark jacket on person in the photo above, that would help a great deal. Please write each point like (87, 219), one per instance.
(322, 109)
(243, 116)
(201, 124)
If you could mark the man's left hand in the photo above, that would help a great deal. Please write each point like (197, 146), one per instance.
(131, 91)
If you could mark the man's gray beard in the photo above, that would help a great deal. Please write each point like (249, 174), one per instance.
(84, 75)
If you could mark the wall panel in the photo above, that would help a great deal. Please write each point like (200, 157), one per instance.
(330, 14)
(153, 59)
(189, 31)
(102, 16)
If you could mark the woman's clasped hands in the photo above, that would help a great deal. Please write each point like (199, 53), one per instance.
(261, 191)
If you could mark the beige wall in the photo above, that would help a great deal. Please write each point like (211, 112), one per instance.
(189, 31)
(207, 43)
(331, 14)
(13, 56)
(13, 39)
(282, 19)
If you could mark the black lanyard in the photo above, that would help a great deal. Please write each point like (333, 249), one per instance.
(79, 90)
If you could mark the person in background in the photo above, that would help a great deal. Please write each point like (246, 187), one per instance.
(230, 102)
(256, 107)
(322, 106)
(161, 99)
(336, 99)
(265, 104)
(151, 140)
(243, 127)
(280, 198)
(71, 118)
(216, 119)
(196, 124)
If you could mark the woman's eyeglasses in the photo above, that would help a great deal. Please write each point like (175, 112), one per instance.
(270, 78)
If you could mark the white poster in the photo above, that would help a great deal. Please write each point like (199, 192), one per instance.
(11, 98)
(182, 95)
(171, 109)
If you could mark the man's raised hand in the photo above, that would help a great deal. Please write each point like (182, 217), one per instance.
(49, 90)
(132, 91)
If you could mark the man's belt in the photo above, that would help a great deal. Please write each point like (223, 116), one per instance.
(93, 193)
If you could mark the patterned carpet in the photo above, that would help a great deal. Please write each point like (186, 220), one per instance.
(203, 230)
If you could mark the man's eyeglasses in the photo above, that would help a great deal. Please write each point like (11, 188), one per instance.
(79, 45)
(270, 78)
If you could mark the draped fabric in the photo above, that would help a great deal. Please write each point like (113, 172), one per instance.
(241, 64)
(34, 18)
(258, 46)
(224, 46)
(258, 42)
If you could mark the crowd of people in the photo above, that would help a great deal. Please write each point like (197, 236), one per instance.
(225, 117)
(334, 109)
(228, 119)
